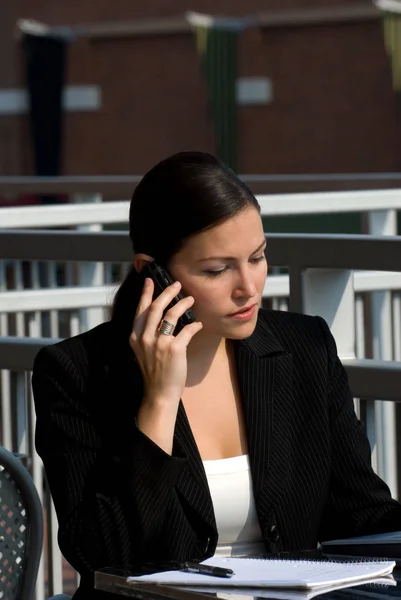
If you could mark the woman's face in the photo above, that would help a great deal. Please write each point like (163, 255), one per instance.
(224, 269)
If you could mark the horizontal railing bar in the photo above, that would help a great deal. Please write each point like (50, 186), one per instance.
(65, 245)
(64, 215)
(69, 184)
(18, 354)
(370, 379)
(70, 298)
(271, 205)
(123, 185)
(376, 281)
(61, 298)
(378, 253)
(374, 379)
(329, 202)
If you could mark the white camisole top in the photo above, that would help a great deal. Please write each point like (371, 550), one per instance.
(230, 485)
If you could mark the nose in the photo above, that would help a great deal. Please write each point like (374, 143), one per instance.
(245, 284)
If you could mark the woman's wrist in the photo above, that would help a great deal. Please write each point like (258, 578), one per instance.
(163, 403)
(156, 419)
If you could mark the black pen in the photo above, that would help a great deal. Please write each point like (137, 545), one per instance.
(194, 567)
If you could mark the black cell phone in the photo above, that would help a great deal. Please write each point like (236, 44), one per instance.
(162, 279)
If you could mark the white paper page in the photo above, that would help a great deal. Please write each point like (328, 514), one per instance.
(377, 584)
(275, 573)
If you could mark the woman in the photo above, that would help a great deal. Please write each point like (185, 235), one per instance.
(236, 435)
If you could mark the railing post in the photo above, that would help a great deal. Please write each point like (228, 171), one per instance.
(329, 293)
(5, 376)
(90, 273)
(384, 222)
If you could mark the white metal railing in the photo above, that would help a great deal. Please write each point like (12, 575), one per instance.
(88, 209)
(33, 304)
(328, 292)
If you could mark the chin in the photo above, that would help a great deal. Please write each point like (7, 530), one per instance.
(241, 331)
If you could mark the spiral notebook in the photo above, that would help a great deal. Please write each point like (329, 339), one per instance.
(377, 587)
(275, 573)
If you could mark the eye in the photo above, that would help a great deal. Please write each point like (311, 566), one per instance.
(258, 259)
(215, 273)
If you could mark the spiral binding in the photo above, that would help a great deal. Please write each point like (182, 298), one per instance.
(314, 556)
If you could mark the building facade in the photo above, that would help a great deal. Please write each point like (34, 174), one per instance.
(314, 89)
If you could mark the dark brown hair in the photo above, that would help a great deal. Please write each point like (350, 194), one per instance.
(180, 196)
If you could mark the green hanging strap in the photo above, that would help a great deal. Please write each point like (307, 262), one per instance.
(218, 49)
(392, 42)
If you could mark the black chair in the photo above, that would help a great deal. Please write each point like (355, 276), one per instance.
(21, 530)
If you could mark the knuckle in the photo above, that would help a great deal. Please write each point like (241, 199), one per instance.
(146, 339)
(174, 348)
(171, 315)
(154, 307)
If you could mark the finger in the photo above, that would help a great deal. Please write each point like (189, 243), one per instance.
(176, 311)
(159, 305)
(188, 332)
(146, 296)
(145, 301)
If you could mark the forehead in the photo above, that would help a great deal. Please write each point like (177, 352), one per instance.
(242, 233)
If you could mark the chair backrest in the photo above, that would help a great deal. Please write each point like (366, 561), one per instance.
(21, 529)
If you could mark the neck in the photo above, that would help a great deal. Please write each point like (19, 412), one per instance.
(203, 351)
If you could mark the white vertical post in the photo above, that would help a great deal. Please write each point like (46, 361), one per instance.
(37, 476)
(22, 414)
(90, 273)
(329, 293)
(359, 338)
(54, 554)
(5, 376)
(35, 319)
(19, 285)
(384, 222)
(54, 314)
(397, 325)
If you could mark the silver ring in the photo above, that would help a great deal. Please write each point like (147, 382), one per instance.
(165, 327)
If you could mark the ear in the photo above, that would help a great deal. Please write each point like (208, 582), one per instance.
(140, 260)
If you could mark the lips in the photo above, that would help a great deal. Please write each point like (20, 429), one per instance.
(242, 310)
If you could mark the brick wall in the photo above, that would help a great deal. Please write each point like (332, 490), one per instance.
(333, 108)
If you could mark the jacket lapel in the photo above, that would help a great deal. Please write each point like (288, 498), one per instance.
(264, 373)
(193, 483)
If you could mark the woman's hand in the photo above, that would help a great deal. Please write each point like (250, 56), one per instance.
(162, 359)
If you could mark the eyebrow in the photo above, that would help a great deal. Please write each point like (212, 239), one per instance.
(231, 257)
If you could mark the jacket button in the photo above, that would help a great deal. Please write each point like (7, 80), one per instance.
(272, 538)
(274, 535)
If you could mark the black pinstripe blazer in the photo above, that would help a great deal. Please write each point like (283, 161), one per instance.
(121, 500)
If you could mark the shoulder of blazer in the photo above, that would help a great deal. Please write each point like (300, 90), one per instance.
(78, 352)
(279, 332)
(291, 331)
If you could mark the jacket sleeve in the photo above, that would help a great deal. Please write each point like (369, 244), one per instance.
(110, 508)
(359, 502)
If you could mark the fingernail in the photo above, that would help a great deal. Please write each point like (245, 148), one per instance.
(176, 284)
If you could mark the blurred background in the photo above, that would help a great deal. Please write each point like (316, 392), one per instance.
(287, 86)
(275, 86)
(272, 86)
